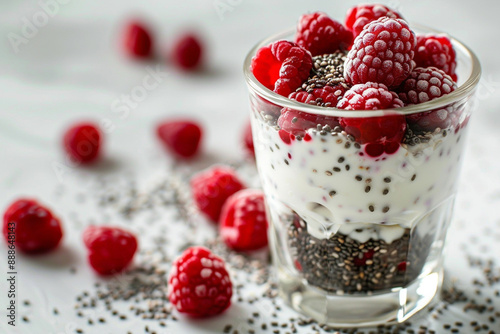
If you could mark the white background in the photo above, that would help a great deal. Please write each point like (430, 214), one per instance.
(72, 68)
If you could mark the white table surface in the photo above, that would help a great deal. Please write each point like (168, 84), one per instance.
(72, 69)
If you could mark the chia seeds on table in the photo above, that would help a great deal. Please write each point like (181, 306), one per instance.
(140, 293)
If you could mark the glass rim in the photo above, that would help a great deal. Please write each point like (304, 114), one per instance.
(461, 92)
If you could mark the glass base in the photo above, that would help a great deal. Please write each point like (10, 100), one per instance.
(387, 308)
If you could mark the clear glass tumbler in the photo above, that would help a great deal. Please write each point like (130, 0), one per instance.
(358, 240)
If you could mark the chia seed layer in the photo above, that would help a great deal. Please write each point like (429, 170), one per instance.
(341, 264)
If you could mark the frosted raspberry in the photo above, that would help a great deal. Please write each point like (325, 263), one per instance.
(369, 96)
(423, 85)
(436, 51)
(359, 16)
(320, 34)
(382, 53)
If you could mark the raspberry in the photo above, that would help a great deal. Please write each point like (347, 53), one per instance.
(436, 51)
(426, 84)
(138, 42)
(32, 227)
(320, 34)
(181, 137)
(110, 249)
(199, 284)
(382, 53)
(296, 123)
(243, 223)
(369, 96)
(380, 134)
(188, 52)
(359, 16)
(83, 142)
(211, 188)
(281, 66)
(248, 140)
(327, 96)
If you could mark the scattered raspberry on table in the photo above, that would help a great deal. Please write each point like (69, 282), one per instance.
(199, 284)
(35, 227)
(110, 249)
(181, 137)
(83, 142)
(138, 42)
(243, 222)
(212, 187)
(188, 52)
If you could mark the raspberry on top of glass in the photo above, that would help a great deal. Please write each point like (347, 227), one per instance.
(373, 61)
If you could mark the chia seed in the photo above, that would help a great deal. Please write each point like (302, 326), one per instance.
(342, 265)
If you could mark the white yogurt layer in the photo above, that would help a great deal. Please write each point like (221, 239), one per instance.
(334, 189)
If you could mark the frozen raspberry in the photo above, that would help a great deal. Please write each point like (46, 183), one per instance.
(296, 123)
(31, 227)
(382, 53)
(138, 42)
(436, 51)
(380, 134)
(110, 249)
(243, 223)
(327, 96)
(359, 16)
(83, 142)
(248, 140)
(188, 52)
(320, 34)
(211, 188)
(181, 137)
(199, 284)
(281, 66)
(426, 84)
(369, 96)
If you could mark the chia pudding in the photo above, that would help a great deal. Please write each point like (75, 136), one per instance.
(358, 135)
(354, 223)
